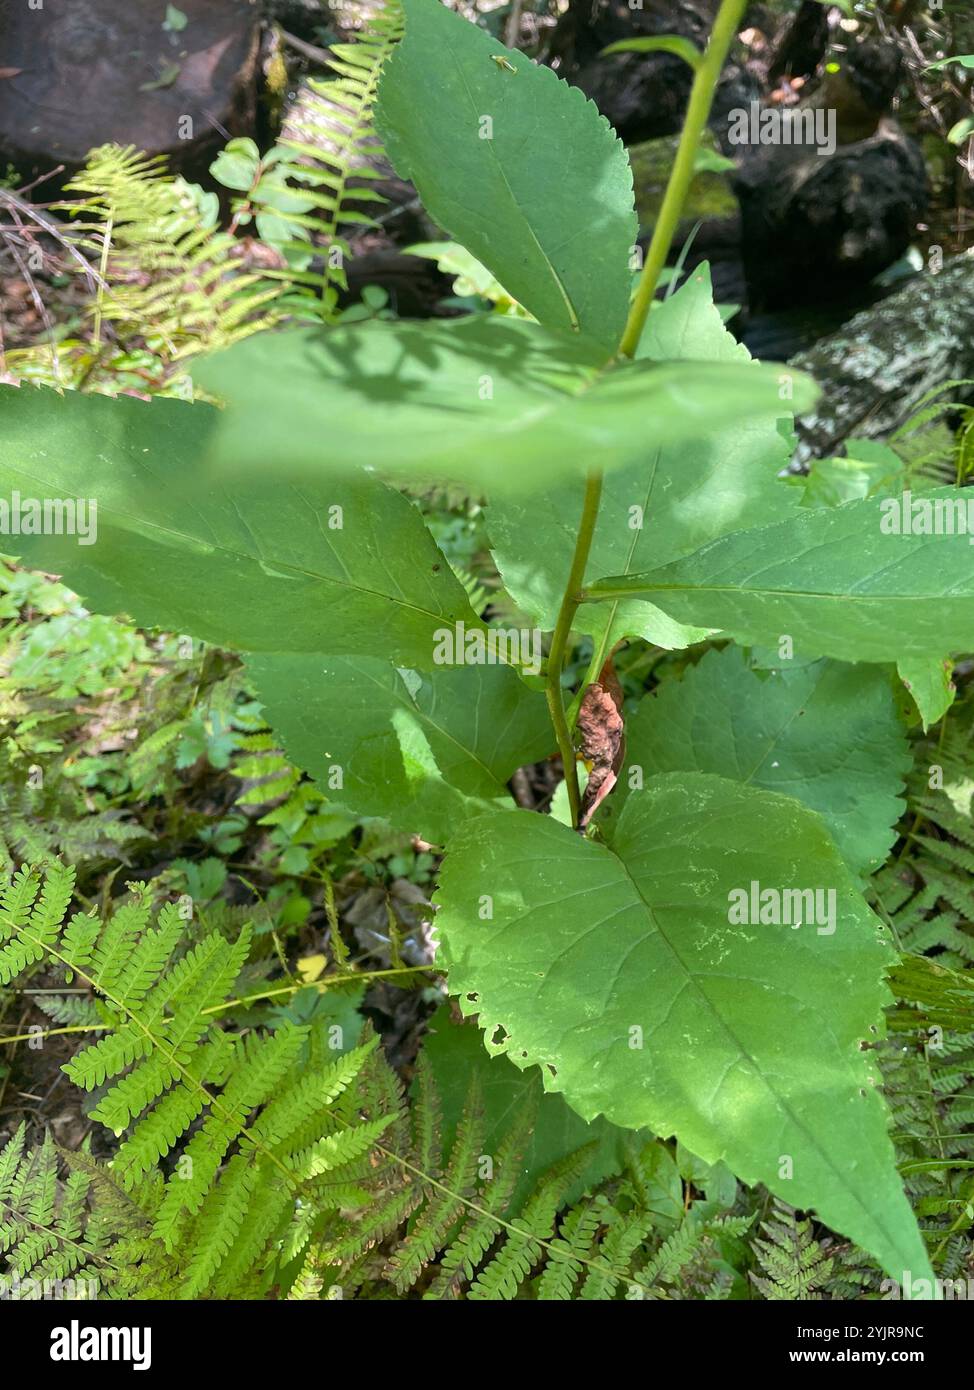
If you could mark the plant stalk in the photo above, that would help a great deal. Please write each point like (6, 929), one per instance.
(563, 627)
(705, 79)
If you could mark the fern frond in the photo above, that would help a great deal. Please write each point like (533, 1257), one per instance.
(171, 284)
(622, 1241)
(668, 1262)
(42, 1221)
(255, 1122)
(569, 1251)
(444, 1205)
(506, 1271)
(463, 1256)
(795, 1265)
(329, 155)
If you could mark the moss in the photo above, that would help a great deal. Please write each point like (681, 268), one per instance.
(710, 195)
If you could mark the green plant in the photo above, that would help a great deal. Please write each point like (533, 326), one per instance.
(251, 1159)
(701, 962)
(302, 193)
(794, 1265)
(170, 283)
(41, 1229)
(253, 1115)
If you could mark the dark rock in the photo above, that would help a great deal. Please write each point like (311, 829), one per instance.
(813, 225)
(819, 218)
(643, 95)
(94, 72)
(878, 366)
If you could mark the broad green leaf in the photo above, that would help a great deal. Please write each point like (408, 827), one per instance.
(831, 579)
(928, 679)
(262, 565)
(670, 500)
(421, 751)
(494, 403)
(621, 974)
(456, 1054)
(517, 166)
(827, 734)
(237, 164)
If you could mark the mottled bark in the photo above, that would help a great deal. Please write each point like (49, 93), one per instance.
(876, 368)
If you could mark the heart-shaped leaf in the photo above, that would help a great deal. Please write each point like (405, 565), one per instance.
(635, 978)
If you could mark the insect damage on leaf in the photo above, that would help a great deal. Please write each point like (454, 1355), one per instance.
(602, 739)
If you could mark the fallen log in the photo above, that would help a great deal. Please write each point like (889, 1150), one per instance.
(877, 367)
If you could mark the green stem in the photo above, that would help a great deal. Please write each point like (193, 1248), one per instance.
(726, 25)
(563, 627)
(698, 110)
(57, 1032)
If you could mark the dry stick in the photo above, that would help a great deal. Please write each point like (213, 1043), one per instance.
(307, 50)
(36, 299)
(706, 76)
(13, 201)
(512, 30)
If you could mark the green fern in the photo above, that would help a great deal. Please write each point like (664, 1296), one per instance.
(171, 285)
(42, 812)
(326, 163)
(444, 1226)
(302, 822)
(119, 1225)
(46, 1248)
(927, 1066)
(933, 453)
(248, 1119)
(794, 1265)
(149, 229)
